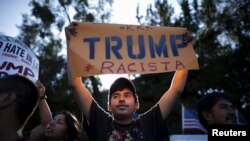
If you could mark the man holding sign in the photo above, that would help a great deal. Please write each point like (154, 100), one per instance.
(123, 101)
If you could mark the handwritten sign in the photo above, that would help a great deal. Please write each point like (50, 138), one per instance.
(128, 49)
(17, 58)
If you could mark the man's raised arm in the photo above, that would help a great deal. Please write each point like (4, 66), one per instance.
(177, 86)
(81, 93)
(82, 96)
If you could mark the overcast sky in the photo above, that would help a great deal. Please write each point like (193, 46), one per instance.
(124, 12)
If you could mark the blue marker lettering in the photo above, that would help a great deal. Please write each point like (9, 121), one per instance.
(173, 43)
(91, 42)
(115, 48)
(141, 53)
(159, 49)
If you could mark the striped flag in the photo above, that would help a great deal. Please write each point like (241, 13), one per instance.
(240, 118)
(190, 120)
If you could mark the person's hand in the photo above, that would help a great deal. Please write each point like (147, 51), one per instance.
(70, 30)
(41, 89)
(188, 37)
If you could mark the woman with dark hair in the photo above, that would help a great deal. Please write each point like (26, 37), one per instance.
(63, 127)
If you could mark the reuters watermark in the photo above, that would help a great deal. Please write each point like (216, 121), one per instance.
(239, 132)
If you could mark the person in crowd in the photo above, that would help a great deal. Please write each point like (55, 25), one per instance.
(64, 126)
(122, 103)
(216, 108)
(18, 101)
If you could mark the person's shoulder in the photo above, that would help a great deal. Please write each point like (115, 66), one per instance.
(153, 110)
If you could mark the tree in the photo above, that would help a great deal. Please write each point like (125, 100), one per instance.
(222, 34)
(43, 32)
(221, 29)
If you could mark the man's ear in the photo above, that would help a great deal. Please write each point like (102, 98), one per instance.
(207, 116)
(137, 106)
(108, 107)
(7, 99)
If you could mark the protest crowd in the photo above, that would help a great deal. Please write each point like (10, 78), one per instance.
(22, 93)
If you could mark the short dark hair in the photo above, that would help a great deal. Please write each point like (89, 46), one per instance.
(207, 102)
(120, 84)
(26, 95)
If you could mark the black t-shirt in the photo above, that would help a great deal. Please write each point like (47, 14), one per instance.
(147, 127)
(22, 139)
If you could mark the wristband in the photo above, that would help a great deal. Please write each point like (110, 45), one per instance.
(43, 97)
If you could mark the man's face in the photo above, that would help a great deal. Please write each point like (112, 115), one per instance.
(7, 101)
(223, 112)
(122, 104)
(2, 125)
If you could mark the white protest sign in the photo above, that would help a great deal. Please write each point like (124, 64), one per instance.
(17, 58)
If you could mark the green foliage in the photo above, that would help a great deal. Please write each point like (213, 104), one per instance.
(221, 29)
(222, 34)
(43, 32)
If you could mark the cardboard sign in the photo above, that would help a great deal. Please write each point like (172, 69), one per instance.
(128, 49)
(17, 58)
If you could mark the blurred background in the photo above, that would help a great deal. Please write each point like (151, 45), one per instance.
(221, 29)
